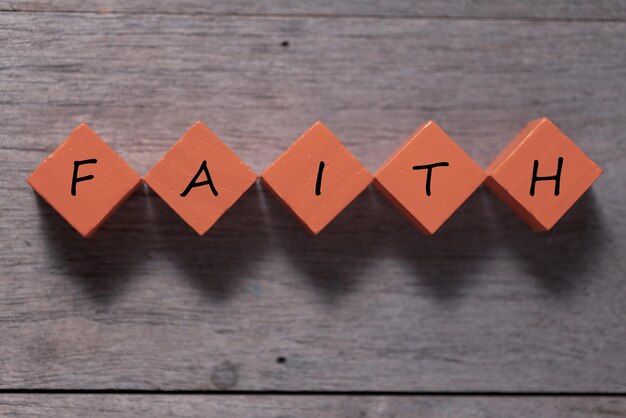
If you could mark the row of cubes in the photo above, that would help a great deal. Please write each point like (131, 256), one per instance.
(540, 175)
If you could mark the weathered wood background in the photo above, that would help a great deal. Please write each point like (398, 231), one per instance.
(370, 305)
(240, 406)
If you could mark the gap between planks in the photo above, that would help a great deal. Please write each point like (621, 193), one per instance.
(316, 16)
(495, 394)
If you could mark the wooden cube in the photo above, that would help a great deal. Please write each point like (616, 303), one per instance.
(428, 177)
(200, 178)
(84, 180)
(541, 174)
(316, 177)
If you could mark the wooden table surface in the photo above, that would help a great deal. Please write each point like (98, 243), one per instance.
(370, 318)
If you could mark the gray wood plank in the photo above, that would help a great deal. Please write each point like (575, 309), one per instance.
(51, 406)
(533, 9)
(258, 304)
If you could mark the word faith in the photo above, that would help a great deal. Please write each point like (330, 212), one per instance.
(540, 175)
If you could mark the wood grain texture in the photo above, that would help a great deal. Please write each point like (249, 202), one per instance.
(51, 406)
(370, 304)
(529, 9)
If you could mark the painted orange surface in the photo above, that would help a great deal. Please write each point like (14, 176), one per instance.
(172, 175)
(511, 174)
(450, 185)
(294, 177)
(96, 198)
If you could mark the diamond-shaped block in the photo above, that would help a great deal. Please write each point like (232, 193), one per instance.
(541, 174)
(200, 178)
(428, 177)
(84, 180)
(316, 177)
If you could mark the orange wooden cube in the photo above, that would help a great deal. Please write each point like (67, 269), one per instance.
(84, 180)
(200, 178)
(316, 177)
(428, 177)
(541, 174)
